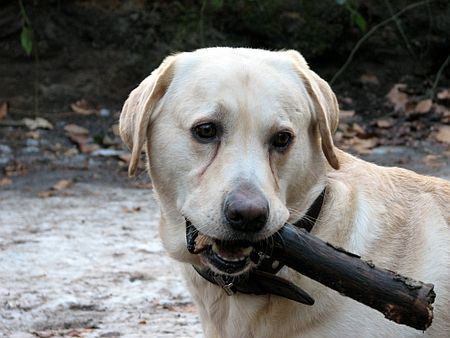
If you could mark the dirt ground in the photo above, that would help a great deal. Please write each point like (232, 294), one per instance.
(87, 263)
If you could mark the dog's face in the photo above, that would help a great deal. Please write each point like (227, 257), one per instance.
(237, 141)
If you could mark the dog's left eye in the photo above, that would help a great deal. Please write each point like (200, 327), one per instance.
(280, 141)
(205, 132)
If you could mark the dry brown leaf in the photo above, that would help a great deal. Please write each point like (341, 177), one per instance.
(186, 308)
(62, 184)
(16, 169)
(71, 152)
(34, 134)
(115, 129)
(397, 97)
(364, 146)
(432, 161)
(74, 129)
(142, 185)
(37, 123)
(125, 157)
(77, 134)
(132, 210)
(346, 100)
(369, 79)
(346, 115)
(3, 110)
(358, 129)
(385, 123)
(5, 181)
(443, 134)
(423, 106)
(83, 107)
(87, 148)
(444, 94)
(440, 109)
(46, 194)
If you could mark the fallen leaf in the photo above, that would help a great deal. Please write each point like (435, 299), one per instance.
(358, 129)
(3, 110)
(37, 123)
(142, 185)
(46, 194)
(74, 129)
(385, 123)
(33, 134)
(338, 136)
(346, 115)
(115, 129)
(125, 157)
(423, 106)
(346, 100)
(132, 210)
(397, 97)
(444, 94)
(15, 169)
(369, 79)
(440, 109)
(186, 308)
(83, 107)
(77, 134)
(364, 146)
(87, 148)
(62, 184)
(5, 181)
(443, 134)
(432, 161)
(71, 152)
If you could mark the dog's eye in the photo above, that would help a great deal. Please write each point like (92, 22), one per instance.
(280, 141)
(205, 132)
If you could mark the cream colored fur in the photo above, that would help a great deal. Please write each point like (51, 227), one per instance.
(398, 219)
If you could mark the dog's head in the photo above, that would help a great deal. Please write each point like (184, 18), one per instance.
(238, 142)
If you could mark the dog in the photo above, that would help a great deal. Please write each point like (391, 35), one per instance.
(239, 142)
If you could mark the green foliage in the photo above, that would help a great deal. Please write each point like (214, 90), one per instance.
(26, 39)
(355, 17)
(26, 36)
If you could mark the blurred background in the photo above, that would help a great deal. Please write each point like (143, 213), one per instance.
(79, 254)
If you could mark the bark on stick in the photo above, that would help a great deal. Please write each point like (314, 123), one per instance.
(400, 299)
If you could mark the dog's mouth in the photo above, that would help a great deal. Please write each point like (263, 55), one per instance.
(222, 256)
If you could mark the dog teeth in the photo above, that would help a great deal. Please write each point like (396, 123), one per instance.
(247, 251)
(228, 259)
(231, 254)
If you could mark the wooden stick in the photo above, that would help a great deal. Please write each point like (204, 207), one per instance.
(400, 299)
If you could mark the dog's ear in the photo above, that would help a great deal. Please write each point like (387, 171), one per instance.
(139, 109)
(325, 105)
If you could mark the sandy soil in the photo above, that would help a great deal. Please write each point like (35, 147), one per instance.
(88, 263)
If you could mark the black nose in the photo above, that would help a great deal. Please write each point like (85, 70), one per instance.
(246, 209)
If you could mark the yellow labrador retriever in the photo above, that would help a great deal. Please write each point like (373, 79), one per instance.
(239, 142)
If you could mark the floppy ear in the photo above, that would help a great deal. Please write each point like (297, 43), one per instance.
(325, 105)
(139, 109)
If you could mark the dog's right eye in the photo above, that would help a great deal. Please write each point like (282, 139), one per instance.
(205, 132)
